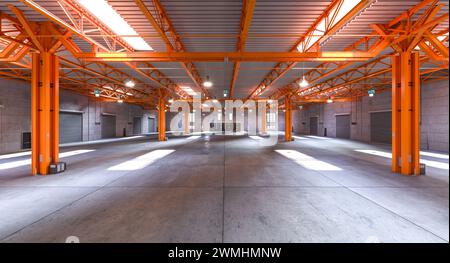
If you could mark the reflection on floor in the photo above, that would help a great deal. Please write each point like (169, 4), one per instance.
(214, 188)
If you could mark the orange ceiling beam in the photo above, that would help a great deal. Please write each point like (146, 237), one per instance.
(383, 37)
(282, 68)
(71, 6)
(173, 44)
(248, 6)
(225, 56)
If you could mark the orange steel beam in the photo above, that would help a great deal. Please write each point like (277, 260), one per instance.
(226, 56)
(379, 38)
(36, 7)
(246, 20)
(90, 39)
(407, 128)
(28, 27)
(109, 76)
(310, 42)
(354, 90)
(364, 71)
(263, 112)
(437, 44)
(163, 25)
(288, 119)
(44, 112)
(377, 69)
(405, 44)
(78, 16)
(162, 117)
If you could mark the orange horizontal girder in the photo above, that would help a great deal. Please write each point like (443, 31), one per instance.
(162, 24)
(225, 56)
(382, 40)
(329, 15)
(74, 7)
(248, 7)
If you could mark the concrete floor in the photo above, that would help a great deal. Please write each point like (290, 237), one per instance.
(225, 189)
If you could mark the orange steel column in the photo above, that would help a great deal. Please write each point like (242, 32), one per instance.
(44, 112)
(161, 119)
(264, 120)
(288, 119)
(396, 134)
(415, 79)
(186, 122)
(406, 114)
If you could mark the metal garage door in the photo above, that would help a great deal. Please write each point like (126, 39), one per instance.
(151, 125)
(137, 125)
(70, 127)
(313, 125)
(343, 126)
(108, 126)
(381, 127)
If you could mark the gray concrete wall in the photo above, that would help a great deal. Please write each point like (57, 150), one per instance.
(434, 115)
(15, 103)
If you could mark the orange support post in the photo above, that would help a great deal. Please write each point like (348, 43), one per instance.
(288, 119)
(396, 135)
(186, 122)
(405, 114)
(415, 79)
(161, 119)
(264, 120)
(44, 112)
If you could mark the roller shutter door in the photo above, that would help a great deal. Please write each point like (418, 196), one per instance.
(381, 127)
(151, 125)
(70, 127)
(313, 125)
(108, 126)
(343, 126)
(137, 125)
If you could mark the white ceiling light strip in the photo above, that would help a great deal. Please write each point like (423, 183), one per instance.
(108, 16)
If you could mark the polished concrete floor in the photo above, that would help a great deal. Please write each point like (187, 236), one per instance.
(225, 189)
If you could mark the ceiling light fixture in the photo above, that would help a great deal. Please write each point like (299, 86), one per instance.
(207, 83)
(304, 83)
(330, 100)
(119, 101)
(371, 92)
(130, 83)
(97, 93)
(102, 10)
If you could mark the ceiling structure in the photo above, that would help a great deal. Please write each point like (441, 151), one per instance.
(249, 49)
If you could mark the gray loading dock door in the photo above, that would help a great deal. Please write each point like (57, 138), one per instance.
(151, 125)
(381, 127)
(108, 126)
(343, 126)
(313, 125)
(70, 127)
(137, 125)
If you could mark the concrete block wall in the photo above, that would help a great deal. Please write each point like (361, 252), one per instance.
(15, 118)
(434, 115)
(15, 107)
